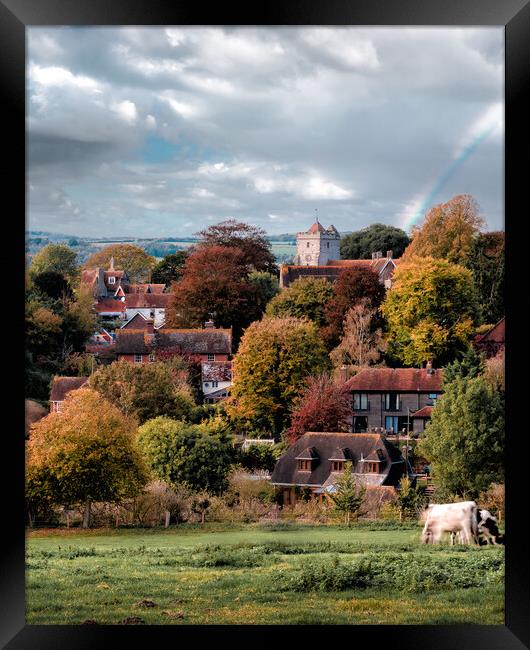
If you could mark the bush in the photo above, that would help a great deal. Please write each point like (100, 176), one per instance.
(492, 499)
(328, 575)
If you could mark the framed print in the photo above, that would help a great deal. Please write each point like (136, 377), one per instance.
(264, 336)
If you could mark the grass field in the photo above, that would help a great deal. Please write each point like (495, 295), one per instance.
(219, 574)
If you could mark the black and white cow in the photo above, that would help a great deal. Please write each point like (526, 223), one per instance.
(487, 528)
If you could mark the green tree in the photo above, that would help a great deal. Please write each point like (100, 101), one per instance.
(304, 298)
(464, 441)
(266, 286)
(169, 269)
(178, 453)
(348, 496)
(468, 364)
(145, 390)
(127, 257)
(273, 360)
(52, 285)
(410, 498)
(85, 453)
(259, 456)
(486, 262)
(56, 258)
(431, 311)
(447, 231)
(361, 244)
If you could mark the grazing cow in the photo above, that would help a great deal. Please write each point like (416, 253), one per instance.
(487, 528)
(451, 518)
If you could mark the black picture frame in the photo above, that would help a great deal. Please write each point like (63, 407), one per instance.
(15, 16)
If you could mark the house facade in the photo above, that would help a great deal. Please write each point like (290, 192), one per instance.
(61, 386)
(394, 399)
(316, 461)
(216, 378)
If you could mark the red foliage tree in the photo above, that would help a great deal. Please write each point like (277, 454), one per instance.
(214, 283)
(250, 240)
(323, 406)
(351, 287)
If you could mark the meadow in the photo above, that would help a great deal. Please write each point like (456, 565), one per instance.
(372, 573)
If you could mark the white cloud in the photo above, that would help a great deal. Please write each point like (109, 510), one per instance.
(126, 110)
(59, 76)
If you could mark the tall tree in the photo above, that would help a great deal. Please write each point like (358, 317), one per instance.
(447, 231)
(349, 495)
(352, 286)
(464, 440)
(467, 364)
(256, 249)
(56, 258)
(51, 284)
(323, 405)
(178, 453)
(169, 269)
(486, 262)
(127, 257)
(361, 244)
(85, 453)
(362, 343)
(431, 311)
(215, 282)
(304, 298)
(273, 360)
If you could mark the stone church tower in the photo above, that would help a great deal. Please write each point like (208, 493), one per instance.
(317, 246)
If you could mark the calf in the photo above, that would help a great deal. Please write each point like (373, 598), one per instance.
(451, 518)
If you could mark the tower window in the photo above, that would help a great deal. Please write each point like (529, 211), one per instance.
(328, 244)
(307, 244)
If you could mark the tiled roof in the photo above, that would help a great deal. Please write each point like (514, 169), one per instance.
(132, 342)
(216, 371)
(109, 305)
(316, 227)
(143, 288)
(307, 454)
(61, 386)
(325, 444)
(137, 322)
(425, 412)
(147, 300)
(33, 413)
(396, 379)
(496, 334)
(196, 341)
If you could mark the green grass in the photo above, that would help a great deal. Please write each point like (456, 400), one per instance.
(234, 574)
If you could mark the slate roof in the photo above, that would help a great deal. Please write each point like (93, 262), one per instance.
(216, 371)
(61, 386)
(307, 454)
(404, 380)
(359, 445)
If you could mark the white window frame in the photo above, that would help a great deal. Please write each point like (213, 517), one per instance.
(112, 280)
(151, 358)
(215, 384)
(138, 358)
(210, 357)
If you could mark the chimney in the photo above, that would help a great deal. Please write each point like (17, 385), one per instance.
(389, 255)
(379, 254)
(429, 368)
(374, 255)
(343, 374)
(150, 326)
(111, 265)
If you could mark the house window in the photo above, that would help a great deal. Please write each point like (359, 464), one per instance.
(392, 423)
(215, 384)
(392, 402)
(211, 357)
(432, 398)
(137, 358)
(151, 358)
(337, 465)
(372, 468)
(360, 424)
(112, 280)
(56, 407)
(360, 401)
(304, 465)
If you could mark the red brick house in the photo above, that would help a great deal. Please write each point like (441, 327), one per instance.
(316, 461)
(393, 399)
(61, 386)
(141, 346)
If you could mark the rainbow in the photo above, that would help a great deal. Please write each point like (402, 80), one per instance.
(481, 129)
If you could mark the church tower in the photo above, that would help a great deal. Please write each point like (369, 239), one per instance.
(317, 246)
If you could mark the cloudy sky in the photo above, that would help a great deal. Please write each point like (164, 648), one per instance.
(161, 131)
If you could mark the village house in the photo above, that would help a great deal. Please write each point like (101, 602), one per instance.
(315, 463)
(61, 386)
(318, 256)
(394, 400)
(111, 283)
(216, 377)
(149, 304)
(142, 345)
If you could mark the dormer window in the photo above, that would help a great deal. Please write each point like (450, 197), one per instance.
(112, 280)
(372, 468)
(304, 465)
(337, 465)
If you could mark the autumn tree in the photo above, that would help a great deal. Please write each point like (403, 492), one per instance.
(348, 495)
(352, 286)
(362, 343)
(145, 391)
(304, 298)
(182, 453)
(169, 269)
(464, 441)
(214, 281)
(250, 240)
(486, 262)
(447, 231)
(361, 244)
(85, 453)
(273, 360)
(56, 258)
(127, 257)
(431, 311)
(323, 405)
